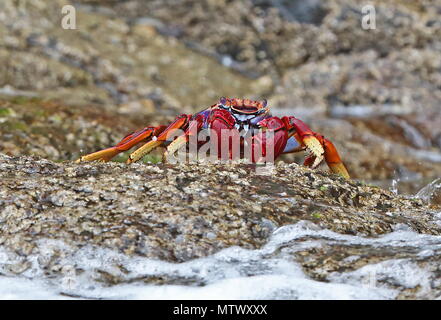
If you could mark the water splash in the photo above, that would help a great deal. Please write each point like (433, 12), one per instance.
(234, 273)
(426, 194)
(394, 187)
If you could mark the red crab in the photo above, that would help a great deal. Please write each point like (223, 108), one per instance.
(247, 116)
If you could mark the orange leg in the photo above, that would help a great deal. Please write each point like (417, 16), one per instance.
(192, 129)
(125, 144)
(333, 159)
(153, 136)
(180, 122)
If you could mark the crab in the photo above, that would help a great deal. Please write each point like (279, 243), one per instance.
(252, 118)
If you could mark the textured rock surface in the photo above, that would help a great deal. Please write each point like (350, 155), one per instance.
(52, 212)
(181, 212)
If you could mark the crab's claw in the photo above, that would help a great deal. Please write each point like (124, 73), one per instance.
(316, 151)
(323, 149)
(318, 147)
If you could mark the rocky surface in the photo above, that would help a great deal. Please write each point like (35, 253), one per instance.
(51, 129)
(107, 61)
(181, 212)
(187, 211)
(177, 213)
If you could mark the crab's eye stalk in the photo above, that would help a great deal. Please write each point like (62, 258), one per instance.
(223, 101)
(264, 103)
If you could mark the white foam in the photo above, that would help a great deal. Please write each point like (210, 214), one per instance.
(233, 273)
(14, 288)
(400, 272)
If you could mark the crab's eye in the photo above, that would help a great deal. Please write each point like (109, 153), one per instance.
(223, 100)
(264, 103)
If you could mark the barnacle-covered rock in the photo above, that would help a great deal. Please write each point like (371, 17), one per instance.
(181, 212)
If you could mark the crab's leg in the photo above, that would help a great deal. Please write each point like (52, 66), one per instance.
(193, 128)
(179, 123)
(333, 159)
(319, 147)
(125, 144)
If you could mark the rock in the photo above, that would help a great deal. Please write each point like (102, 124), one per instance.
(181, 212)
(107, 61)
(51, 213)
(275, 36)
(35, 126)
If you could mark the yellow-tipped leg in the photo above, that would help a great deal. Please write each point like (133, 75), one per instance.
(102, 155)
(333, 159)
(177, 124)
(177, 144)
(125, 144)
(145, 149)
(340, 169)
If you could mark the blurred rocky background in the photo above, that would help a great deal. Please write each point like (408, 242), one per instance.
(375, 93)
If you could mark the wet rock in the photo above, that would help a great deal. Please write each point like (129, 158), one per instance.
(107, 61)
(273, 36)
(52, 212)
(148, 209)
